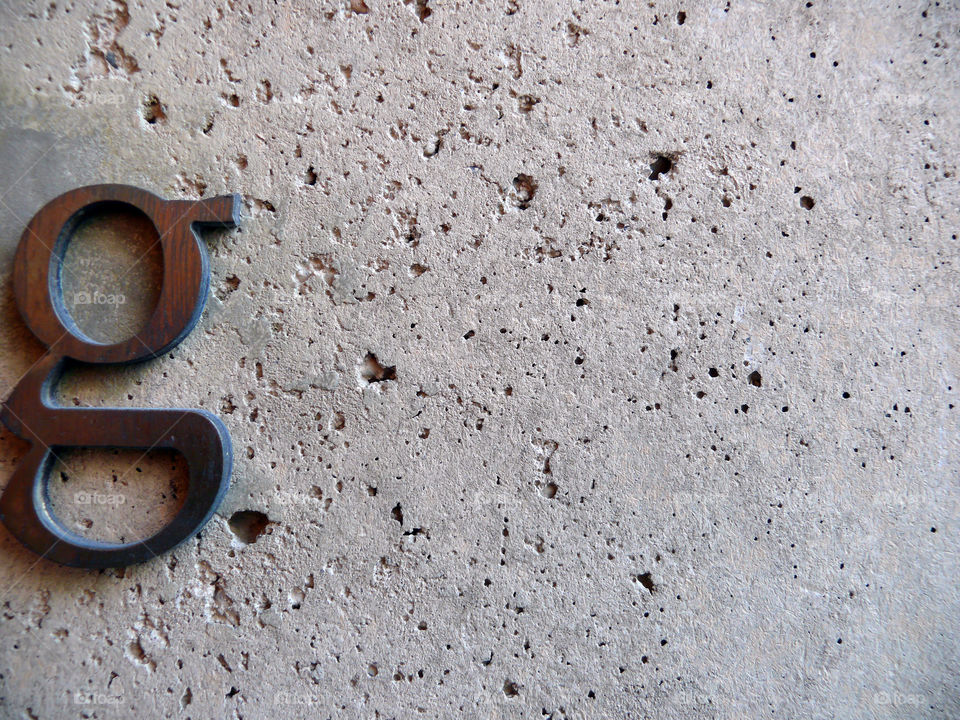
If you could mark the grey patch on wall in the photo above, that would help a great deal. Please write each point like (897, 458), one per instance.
(37, 167)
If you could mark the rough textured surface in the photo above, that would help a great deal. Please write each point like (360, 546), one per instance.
(581, 359)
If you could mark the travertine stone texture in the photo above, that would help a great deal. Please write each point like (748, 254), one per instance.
(581, 359)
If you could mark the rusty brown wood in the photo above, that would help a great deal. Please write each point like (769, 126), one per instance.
(31, 411)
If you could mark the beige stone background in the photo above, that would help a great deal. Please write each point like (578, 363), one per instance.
(581, 359)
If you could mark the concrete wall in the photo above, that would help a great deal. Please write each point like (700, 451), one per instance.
(581, 359)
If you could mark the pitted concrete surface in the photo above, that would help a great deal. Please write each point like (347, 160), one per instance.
(581, 359)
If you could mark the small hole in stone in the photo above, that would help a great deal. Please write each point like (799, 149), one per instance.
(423, 12)
(662, 164)
(153, 111)
(755, 378)
(646, 580)
(373, 371)
(526, 188)
(807, 202)
(248, 525)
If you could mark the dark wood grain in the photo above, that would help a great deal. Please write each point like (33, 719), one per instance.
(31, 411)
